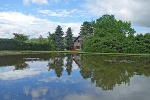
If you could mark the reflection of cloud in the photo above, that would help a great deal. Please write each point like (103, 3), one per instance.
(7, 97)
(75, 66)
(63, 79)
(7, 73)
(18, 74)
(81, 97)
(38, 92)
(5, 69)
(49, 79)
(138, 89)
(26, 90)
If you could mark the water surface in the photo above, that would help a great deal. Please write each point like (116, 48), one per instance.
(59, 76)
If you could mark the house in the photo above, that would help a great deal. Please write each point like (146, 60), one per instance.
(77, 42)
(77, 59)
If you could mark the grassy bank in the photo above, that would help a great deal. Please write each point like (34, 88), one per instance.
(7, 52)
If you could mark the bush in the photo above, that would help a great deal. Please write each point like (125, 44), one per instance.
(11, 44)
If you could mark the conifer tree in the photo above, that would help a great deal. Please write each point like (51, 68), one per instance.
(69, 40)
(59, 43)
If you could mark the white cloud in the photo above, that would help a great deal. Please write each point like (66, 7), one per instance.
(29, 25)
(40, 1)
(61, 1)
(76, 13)
(135, 11)
(58, 13)
(55, 1)
(27, 2)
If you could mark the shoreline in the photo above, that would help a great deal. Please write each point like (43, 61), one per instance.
(2, 53)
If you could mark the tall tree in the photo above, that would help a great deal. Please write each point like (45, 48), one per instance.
(69, 40)
(51, 38)
(107, 25)
(21, 38)
(58, 38)
(109, 35)
(86, 28)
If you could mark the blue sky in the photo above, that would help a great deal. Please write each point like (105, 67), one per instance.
(37, 17)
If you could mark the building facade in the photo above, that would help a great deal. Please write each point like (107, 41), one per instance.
(77, 42)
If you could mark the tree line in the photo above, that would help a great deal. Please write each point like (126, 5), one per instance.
(54, 41)
(109, 35)
(104, 35)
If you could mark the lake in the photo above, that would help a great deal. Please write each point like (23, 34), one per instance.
(63, 76)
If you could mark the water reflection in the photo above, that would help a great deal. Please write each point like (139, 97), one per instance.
(56, 64)
(69, 63)
(107, 71)
(59, 76)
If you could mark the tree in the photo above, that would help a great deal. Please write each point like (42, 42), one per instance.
(59, 43)
(21, 38)
(51, 38)
(86, 28)
(107, 25)
(41, 39)
(110, 35)
(69, 40)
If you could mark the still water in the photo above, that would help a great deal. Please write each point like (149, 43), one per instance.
(58, 76)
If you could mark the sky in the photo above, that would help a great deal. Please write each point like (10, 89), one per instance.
(38, 17)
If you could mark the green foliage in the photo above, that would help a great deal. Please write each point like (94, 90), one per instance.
(69, 40)
(107, 71)
(51, 39)
(57, 64)
(86, 28)
(108, 25)
(59, 43)
(84, 40)
(103, 45)
(112, 36)
(21, 38)
(11, 44)
(104, 71)
(39, 40)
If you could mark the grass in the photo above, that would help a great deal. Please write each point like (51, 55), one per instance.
(7, 52)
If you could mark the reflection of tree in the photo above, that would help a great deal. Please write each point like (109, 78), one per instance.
(11, 60)
(69, 64)
(21, 65)
(56, 64)
(108, 71)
